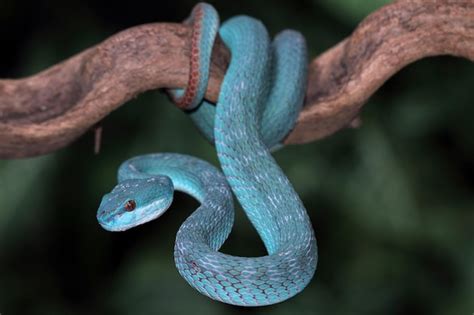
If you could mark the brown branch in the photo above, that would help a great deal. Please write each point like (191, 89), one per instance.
(47, 111)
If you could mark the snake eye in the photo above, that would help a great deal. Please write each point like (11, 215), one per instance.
(130, 205)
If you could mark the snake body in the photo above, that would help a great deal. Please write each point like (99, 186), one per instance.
(255, 89)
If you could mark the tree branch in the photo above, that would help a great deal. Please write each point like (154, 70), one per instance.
(47, 111)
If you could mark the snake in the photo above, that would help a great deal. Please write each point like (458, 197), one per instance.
(259, 100)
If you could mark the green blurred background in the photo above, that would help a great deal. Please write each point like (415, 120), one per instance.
(392, 202)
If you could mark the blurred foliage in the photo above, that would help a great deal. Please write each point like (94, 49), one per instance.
(391, 202)
(351, 11)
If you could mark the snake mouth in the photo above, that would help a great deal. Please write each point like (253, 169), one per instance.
(110, 226)
(114, 228)
(105, 221)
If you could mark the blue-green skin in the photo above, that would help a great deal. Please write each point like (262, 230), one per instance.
(247, 101)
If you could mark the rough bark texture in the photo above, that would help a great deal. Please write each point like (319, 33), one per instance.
(47, 111)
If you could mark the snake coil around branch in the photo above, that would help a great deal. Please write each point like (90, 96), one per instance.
(49, 110)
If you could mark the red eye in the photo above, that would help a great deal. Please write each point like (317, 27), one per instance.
(130, 205)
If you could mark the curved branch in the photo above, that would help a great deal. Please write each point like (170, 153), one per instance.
(47, 111)
(342, 79)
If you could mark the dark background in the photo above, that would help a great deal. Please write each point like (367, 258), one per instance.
(392, 202)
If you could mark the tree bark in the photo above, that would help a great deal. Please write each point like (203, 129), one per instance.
(49, 110)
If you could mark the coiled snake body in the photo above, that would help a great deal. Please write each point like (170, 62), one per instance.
(259, 100)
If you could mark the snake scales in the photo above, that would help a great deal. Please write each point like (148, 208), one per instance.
(261, 95)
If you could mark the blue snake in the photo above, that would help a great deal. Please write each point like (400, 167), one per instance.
(260, 97)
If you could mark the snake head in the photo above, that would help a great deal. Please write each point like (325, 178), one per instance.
(135, 201)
